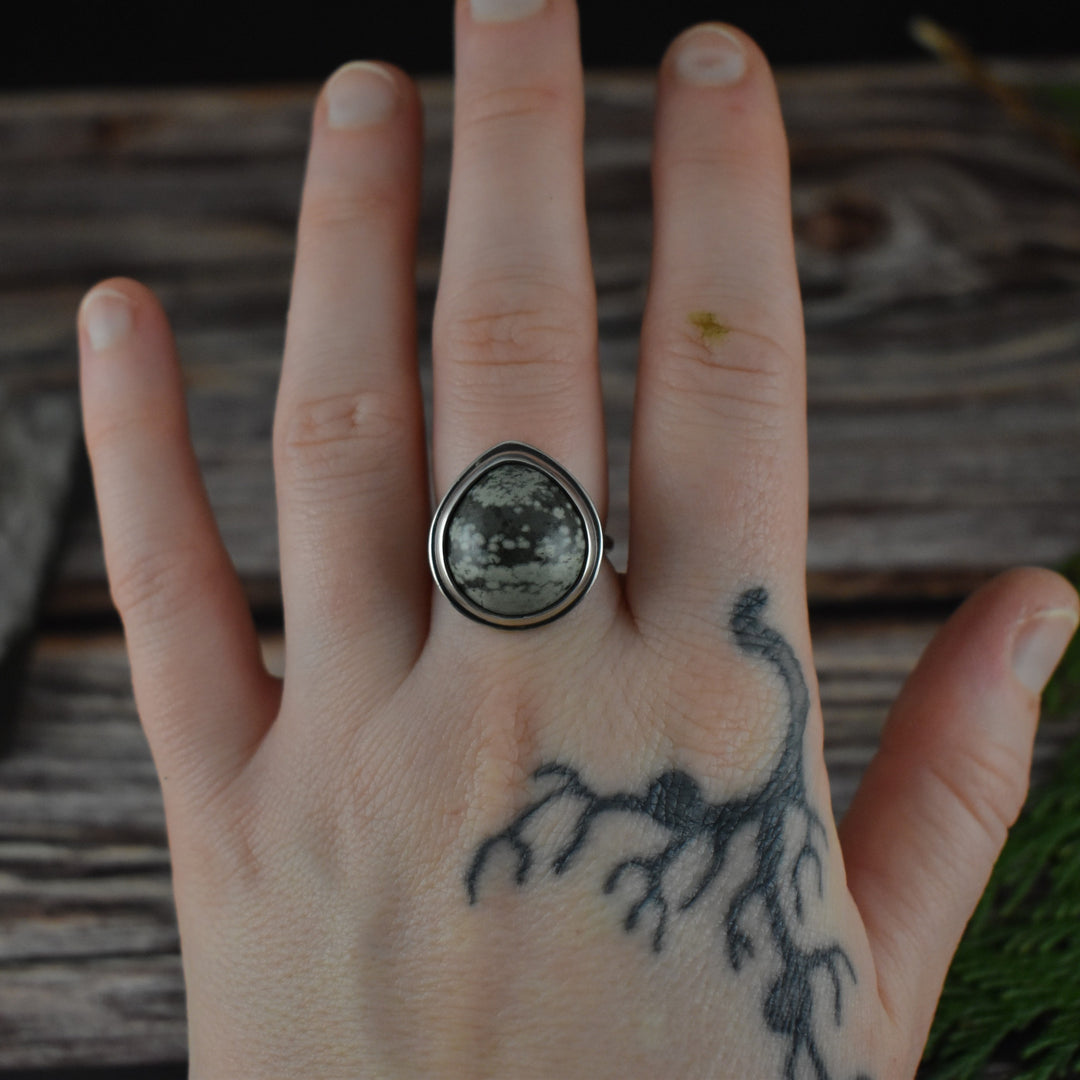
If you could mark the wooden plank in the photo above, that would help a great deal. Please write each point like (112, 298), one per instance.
(113, 1011)
(89, 971)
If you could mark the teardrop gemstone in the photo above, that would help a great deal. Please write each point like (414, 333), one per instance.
(515, 543)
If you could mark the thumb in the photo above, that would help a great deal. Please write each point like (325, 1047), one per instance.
(949, 779)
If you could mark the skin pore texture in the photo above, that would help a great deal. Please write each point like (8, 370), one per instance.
(778, 875)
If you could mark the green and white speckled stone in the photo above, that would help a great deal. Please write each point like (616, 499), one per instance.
(515, 542)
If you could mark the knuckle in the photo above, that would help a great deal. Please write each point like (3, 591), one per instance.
(321, 441)
(742, 376)
(757, 162)
(512, 338)
(502, 336)
(226, 848)
(512, 104)
(740, 748)
(703, 155)
(332, 207)
(118, 430)
(988, 785)
(159, 581)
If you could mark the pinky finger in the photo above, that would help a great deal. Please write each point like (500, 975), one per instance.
(934, 807)
(203, 694)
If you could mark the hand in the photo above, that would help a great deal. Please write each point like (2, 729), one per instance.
(601, 847)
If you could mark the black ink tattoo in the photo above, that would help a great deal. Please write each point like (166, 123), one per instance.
(675, 802)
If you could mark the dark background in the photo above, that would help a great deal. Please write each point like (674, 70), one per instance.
(98, 43)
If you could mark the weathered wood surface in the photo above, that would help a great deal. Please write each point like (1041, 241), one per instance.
(939, 251)
(39, 434)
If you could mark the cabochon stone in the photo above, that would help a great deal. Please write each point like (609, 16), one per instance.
(515, 542)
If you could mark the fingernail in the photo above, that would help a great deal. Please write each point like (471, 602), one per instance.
(710, 56)
(504, 10)
(1040, 644)
(360, 94)
(107, 317)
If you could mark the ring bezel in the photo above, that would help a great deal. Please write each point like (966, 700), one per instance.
(521, 453)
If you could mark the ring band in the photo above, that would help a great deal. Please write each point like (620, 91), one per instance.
(516, 541)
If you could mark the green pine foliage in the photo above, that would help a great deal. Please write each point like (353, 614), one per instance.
(1062, 697)
(1013, 991)
(1060, 101)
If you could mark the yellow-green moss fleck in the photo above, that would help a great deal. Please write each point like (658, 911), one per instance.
(706, 322)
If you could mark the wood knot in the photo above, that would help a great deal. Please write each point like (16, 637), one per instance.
(844, 224)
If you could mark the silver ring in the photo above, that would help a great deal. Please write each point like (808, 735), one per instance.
(516, 541)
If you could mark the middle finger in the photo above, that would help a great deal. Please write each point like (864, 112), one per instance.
(515, 336)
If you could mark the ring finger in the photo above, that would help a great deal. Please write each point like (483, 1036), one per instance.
(515, 338)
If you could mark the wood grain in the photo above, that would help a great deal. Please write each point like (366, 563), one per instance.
(39, 434)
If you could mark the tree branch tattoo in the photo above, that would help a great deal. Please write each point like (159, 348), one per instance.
(674, 801)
